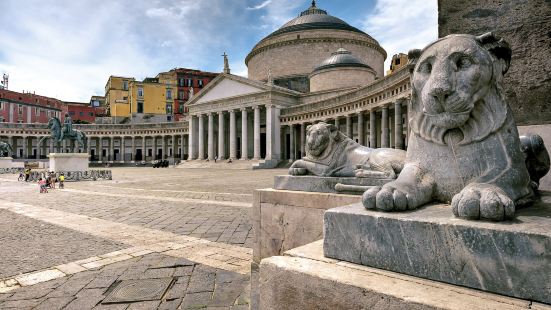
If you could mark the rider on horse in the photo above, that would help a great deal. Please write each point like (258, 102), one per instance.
(68, 128)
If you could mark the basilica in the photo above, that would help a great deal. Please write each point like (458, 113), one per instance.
(316, 67)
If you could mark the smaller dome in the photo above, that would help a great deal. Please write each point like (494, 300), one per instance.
(341, 58)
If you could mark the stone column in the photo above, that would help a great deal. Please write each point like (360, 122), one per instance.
(292, 142)
(233, 136)
(133, 153)
(174, 147)
(385, 138)
(349, 126)
(211, 137)
(201, 138)
(25, 147)
(100, 148)
(221, 136)
(244, 134)
(337, 122)
(361, 131)
(182, 153)
(144, 149)
(302, 139)
(112, 148)
(372, 129)
(88, 142)
(191, 136)
(37, 156)
(256, 154)
(273, 136)
(398, 127)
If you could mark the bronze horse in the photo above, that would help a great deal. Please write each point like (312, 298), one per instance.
(57, 135)
(5, 149)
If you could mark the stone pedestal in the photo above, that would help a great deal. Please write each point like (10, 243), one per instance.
(5, 162)
(323, 184)
(284, 220)
(510, 258)
(60, 162)
(305, 279)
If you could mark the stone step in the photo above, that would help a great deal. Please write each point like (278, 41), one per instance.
(220, 164)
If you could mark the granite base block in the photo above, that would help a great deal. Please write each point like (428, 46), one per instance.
(60, 162)
(509, 258)
(305, 279)
(6, 162)
(311, 183)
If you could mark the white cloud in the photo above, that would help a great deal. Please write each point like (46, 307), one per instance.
(68, 49)
(260, 6)
(401, 25)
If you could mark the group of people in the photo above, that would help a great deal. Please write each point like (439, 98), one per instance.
(49, 182)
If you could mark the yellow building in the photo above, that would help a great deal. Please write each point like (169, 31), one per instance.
(398, 61)
(153, 97)
(117, 96)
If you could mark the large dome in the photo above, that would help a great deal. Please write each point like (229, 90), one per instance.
(314, 18)
(294, 50)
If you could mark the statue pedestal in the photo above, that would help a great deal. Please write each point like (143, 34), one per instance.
(509, 258)
(310, 183)
(5, 162)
(62, 162)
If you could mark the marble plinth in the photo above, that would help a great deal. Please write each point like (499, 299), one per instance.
(304, 279)
(6, 162)
(511, 258)
(60, 162)
(312, 183)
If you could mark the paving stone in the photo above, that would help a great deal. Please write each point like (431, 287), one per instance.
(170, 304)
(196, 300)
(226, 294)
(201, 281)
(178, 290)
(144, 305)
(101, 282)
(20, 304)
(86, 299)
(54, 303)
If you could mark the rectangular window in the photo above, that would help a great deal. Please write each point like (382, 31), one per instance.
(140, 92)
(181, 95)
(124, 85)
(140, 106)
(1, 105)
(37, 111)
(81, 113)
(189, 82)
(168, 108)
(181, 82)
(169, 94)
(19, 109)
(181, 108)
(200, 83)
(125, 98)
(90, 113)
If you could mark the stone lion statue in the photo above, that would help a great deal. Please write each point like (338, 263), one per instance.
(464, 147)
(331, 153)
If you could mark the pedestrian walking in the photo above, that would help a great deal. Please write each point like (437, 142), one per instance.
(215, 158)
(61, 181)
(27, 174)
(42, 185)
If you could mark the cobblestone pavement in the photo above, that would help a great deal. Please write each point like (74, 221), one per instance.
(190, 228)
(29, 245)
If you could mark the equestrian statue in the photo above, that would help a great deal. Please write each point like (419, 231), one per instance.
(58, 133)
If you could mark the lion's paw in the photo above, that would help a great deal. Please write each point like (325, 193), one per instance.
(297, 171)
(387, 198)
(483, 201)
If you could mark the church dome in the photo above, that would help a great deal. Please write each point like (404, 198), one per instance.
(314, 18)
(341, 70)
(341, 58)
(298, 47)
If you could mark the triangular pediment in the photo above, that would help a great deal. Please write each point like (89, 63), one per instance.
(224, 88)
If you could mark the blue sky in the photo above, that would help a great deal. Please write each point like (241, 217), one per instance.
(67, 49)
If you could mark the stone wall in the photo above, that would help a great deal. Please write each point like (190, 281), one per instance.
(340, 77)
(526, 25)
(299, 53)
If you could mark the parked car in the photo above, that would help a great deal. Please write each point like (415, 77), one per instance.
(160, 164)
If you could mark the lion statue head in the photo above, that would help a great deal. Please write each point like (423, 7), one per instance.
(457, 94)
(319, 137)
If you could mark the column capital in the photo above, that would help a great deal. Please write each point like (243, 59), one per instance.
(243, 109)
(256, 107)
(220, 112)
